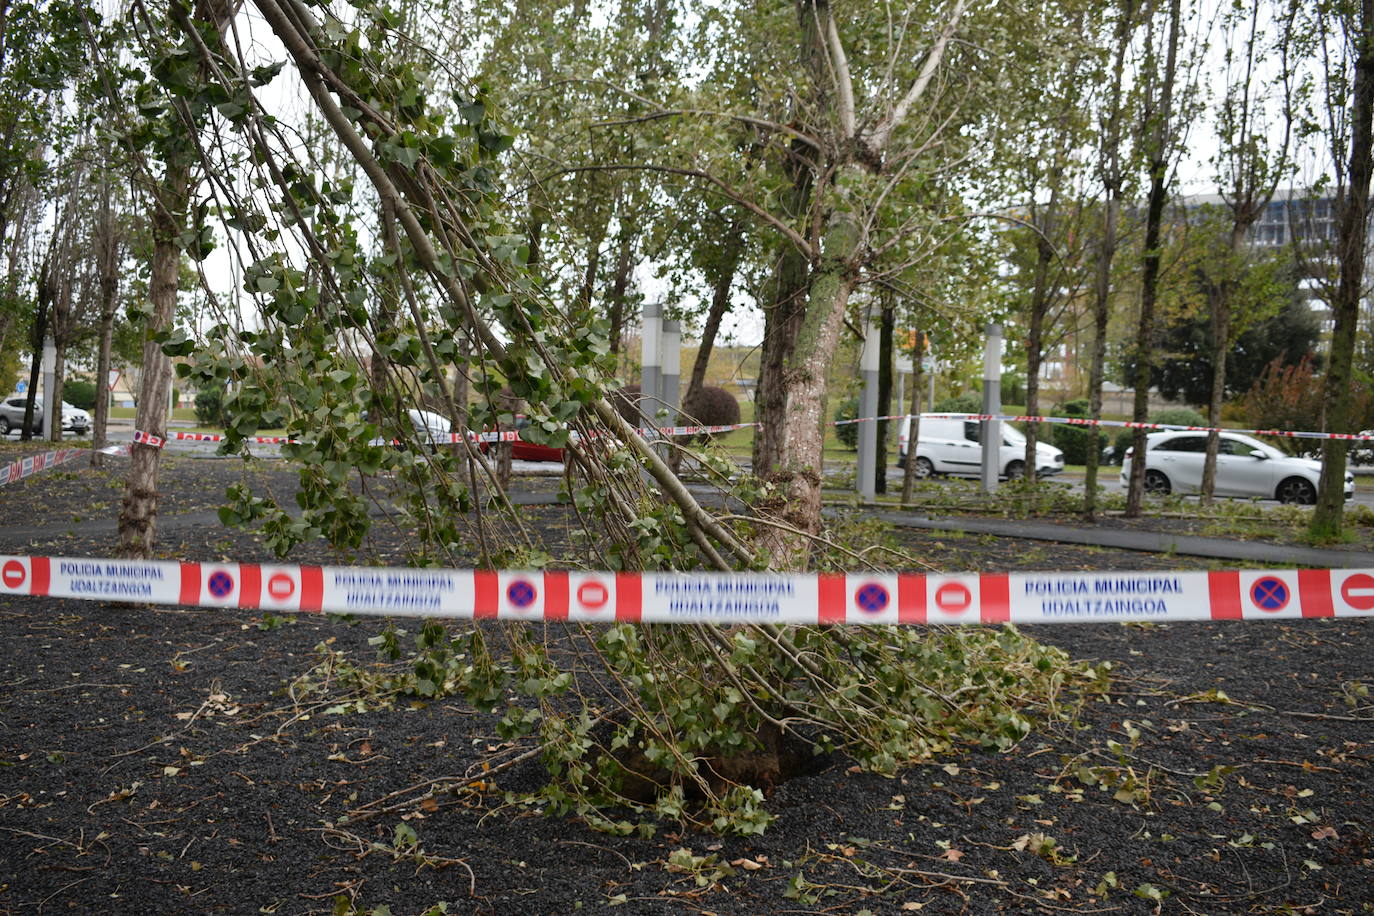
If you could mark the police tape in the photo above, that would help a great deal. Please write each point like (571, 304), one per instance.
(508, 435)
(46, 461)
(700, 597)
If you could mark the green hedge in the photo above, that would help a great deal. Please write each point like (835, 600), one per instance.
(79, 393)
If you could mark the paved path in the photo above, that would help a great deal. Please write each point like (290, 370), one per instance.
(1148, 541)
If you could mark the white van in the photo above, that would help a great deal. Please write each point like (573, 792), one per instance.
(953, 447)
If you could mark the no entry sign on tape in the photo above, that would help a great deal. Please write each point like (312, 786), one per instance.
(852, 598)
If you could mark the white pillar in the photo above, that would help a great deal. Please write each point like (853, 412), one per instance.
(866, 478)
(992, 404)
(52, 408)
(671, 358)
(651, 359)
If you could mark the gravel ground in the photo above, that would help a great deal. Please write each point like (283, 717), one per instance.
(159, 761)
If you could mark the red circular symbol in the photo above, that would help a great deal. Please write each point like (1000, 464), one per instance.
(1358, 591)
(593, 595)
(281, 586)
(13, 574)
(953, 597)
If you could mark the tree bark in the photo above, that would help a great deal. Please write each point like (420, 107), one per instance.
(1158, 158)
(138, 517)
(782, 321)
(1109, 165)
(1221, 345)
(720, 303)
(913, 433)
(620, 284)
(1041, 296)
(40, 333)
(885, 343)
(107, 266)
(1352, 239)
(799, 469)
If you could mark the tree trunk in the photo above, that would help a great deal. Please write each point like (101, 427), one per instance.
(1160, 140)
(40, 333)
(107, 265)
(800, 436)
(1102, 290)
(781, 326)
(587, 293)
(138, 517)
(1035, 335)
(720, 303)
(913, 432)
(620, 285)
(1326, 519)
(885, 335)
(1109, 164)
(1221, 345)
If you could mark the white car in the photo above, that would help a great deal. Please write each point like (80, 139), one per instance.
(954, 447)
(431, 428)
(1245, 467)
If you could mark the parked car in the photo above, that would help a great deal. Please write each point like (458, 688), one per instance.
(1245, 467)
(430, 428)
(949, 446)
(74, 419)
(524, 450)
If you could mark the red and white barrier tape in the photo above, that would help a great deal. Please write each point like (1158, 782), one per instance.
(852, 598)
(46, 461)
(33, 465)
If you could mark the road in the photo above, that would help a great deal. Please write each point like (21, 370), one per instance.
(1110, 482)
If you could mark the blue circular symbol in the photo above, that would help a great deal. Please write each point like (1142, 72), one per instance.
(1269, 594)
(520, 593)
(872, 598)
(221, 584)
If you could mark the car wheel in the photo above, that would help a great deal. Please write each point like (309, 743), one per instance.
(1016, 470)
(924, 468)
(1156, 484)
(4, 426)
(1296, 490)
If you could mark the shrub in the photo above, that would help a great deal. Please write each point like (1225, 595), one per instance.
(968, 402)
(711, 406)
(1174, 416)
(210, 407)
(1075, 441)
(848, 433)
(79, 393)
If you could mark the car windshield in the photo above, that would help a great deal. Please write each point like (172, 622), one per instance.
(1012, 436)
(1244, 445)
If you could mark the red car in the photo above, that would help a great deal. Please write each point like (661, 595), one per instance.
(521, 450)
